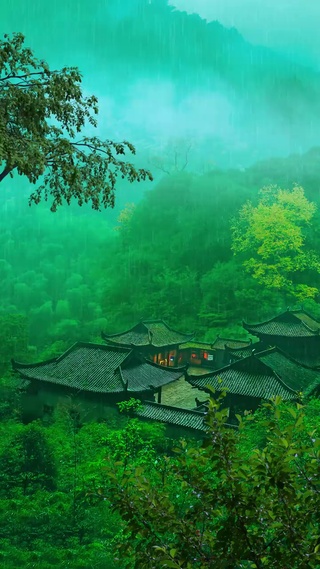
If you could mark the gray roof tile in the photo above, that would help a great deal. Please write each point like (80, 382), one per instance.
(88, 367)
(247, 377)
(291, 324)
(148, 333)
(101, 369)
(294, 375)
(142, 375)
(172, 415)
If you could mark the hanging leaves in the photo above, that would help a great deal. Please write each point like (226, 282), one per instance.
(42, 115)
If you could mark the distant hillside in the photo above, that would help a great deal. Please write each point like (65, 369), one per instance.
(154, 38)
(160, 74)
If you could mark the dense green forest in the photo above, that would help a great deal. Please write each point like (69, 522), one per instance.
(169, 256)
(70, 492)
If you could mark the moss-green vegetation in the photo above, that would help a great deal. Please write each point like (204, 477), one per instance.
(120, 494)
(52, 513)
(246, 499)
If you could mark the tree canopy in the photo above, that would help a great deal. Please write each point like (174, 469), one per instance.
(219, 506)
(272, 238)
(43, 114)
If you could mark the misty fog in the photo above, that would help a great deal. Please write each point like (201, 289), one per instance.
(254, 98)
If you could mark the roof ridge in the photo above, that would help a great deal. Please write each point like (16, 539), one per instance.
(103, 347)
(273, 350)
(239, 348)
(244, 323)
(173, 408)
(291, 312)
(178, 331)
(222, 369)
(307, 314)
(16, 364)
(288, 357)
(314, 330)
(124, 331)
(283, 383)
(125, 383)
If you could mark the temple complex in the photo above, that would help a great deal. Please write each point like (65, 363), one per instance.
(171, 373)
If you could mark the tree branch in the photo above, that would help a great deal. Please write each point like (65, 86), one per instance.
(41, 73)
(5, 172)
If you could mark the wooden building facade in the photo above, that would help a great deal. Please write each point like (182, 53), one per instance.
(209, 355)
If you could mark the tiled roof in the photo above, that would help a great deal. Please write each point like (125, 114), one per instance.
(306, 358)
(189, 418)
(307, 319)
(89, 367)
(222, 343)
(313, 389)
(195, 346)
(101, 369)
(290, 323)
(294, 375)
(148, 333)
(172, 415)
(218, 344)
(238, 353)
(248, 377)
(141, 376)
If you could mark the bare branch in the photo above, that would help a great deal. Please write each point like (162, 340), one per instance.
(25, 75)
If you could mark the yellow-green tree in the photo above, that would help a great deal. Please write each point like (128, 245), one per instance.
(125, 216)
(271, 237)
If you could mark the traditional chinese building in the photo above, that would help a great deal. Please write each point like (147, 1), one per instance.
(152, 338)
(257, 377)
(237, 353)
(180, 418)
(295, 332)
(211, 355)
(98, 373)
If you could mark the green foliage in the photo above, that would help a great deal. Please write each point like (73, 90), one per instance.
(47, 475)
(13, 338)
(238, 500)
(52, 281)
(9, 397)
(270, 237)
(28, 462)
(129, 406)
(42, 113)
(212, 508)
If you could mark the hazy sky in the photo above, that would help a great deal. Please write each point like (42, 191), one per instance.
(146, 108)
(282, 24)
